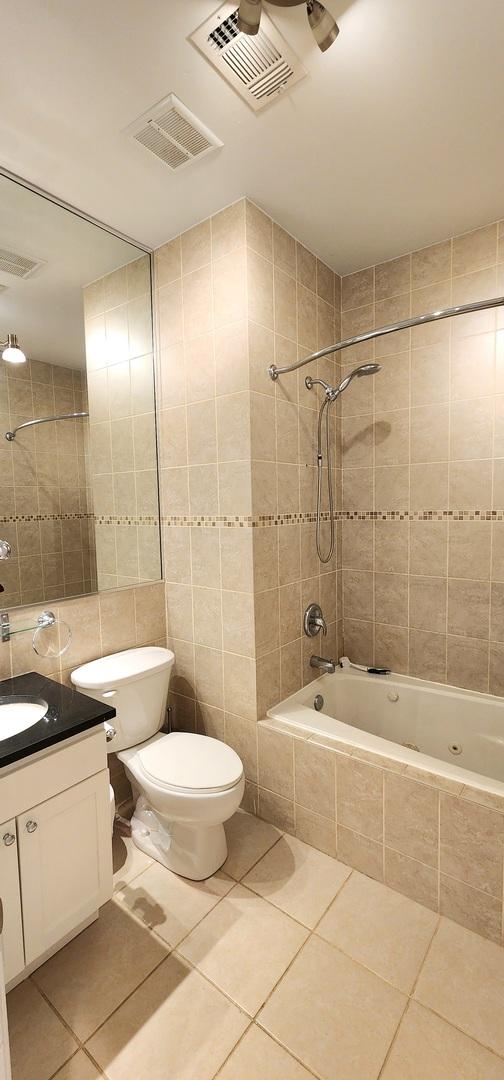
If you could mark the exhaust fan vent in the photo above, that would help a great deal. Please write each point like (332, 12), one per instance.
(259, 67)
(18, 265)
(171, 132)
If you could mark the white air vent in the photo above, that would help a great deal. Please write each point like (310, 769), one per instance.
(258, 67)
(19, 265)
(171, 132)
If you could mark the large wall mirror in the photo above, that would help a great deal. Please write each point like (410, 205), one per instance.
(78, 496)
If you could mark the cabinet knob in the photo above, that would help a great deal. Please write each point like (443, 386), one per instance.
(8, 839)
(31, 826)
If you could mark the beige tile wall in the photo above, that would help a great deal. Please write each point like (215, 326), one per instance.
(426, 596)
(236, 450)
(44, 485)
(435, 840)
(120, 373)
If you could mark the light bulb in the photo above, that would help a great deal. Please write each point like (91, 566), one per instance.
(12, 353)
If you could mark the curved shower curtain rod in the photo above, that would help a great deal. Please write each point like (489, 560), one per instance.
(10, 435)
(418, 320)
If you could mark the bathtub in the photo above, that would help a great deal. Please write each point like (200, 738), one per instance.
(456, 734)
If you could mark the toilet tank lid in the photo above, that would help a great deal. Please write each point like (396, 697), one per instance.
(108, 672)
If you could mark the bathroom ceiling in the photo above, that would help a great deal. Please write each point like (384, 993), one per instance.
(393, 141)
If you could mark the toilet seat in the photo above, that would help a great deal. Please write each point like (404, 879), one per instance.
(190, 763)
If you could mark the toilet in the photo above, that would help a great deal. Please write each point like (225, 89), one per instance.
(185, 785)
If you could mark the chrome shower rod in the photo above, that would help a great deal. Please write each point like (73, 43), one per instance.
(418, 320)
(10, 435)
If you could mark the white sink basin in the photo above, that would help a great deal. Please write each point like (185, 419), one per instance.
(17, 714)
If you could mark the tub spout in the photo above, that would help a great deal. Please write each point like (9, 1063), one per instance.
(329, 666)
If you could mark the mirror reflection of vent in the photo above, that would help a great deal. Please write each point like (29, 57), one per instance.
(173, 133)
(18, 265)
(258, 67)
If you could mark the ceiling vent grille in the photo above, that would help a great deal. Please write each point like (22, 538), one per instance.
(173, 133)
(258, 67)
(18, 265)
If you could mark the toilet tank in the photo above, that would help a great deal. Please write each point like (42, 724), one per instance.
(135, 683)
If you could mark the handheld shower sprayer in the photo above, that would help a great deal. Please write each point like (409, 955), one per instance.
(331, 393)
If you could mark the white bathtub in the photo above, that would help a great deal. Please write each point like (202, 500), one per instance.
(459, 734)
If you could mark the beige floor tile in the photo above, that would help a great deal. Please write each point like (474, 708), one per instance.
(39, 1042)
(174, 1027)
(463, 980)
(244, 945)
(335, 1016)
(298, 879)
(248, 839)
(427, 1048)
(172, 905)
(258, 1055)
(380, 928)
(79, 1068)
(90, 977)
(128, 860)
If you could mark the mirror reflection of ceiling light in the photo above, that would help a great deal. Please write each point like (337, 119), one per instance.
(11, 351)
(323, 27)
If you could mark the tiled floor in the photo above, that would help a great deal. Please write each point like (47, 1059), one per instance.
(286, 965)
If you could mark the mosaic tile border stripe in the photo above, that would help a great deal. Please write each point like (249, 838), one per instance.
(264, 521)
(99, 519)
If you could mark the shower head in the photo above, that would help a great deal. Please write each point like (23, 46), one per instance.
(357, 373)
(333, 392)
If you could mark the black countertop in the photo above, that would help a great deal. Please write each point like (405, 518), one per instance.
(68, 713)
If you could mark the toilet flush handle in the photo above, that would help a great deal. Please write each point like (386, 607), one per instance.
(110, 732)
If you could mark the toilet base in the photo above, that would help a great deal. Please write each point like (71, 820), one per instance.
(194, 853)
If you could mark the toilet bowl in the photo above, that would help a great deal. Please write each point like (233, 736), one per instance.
(185, 785)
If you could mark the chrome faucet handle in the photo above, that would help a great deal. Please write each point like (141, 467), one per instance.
(313, 621)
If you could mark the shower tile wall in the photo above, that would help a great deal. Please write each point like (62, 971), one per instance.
(44, 493)
(118, 335)
(423, 468)
(237, 459)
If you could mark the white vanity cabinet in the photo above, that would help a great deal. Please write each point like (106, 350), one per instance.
(55, 850)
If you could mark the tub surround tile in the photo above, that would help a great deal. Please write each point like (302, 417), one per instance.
(412, 878)
(471, 908)
(472, 844)
(412, 819)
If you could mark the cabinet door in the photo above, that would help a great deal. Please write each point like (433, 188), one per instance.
(65, 858)
(12, 937)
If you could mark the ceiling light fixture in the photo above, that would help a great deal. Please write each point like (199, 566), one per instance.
(323, 27)
(11, 351)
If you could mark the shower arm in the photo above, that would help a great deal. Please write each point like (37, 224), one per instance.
(418, 320)
(11, 435)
